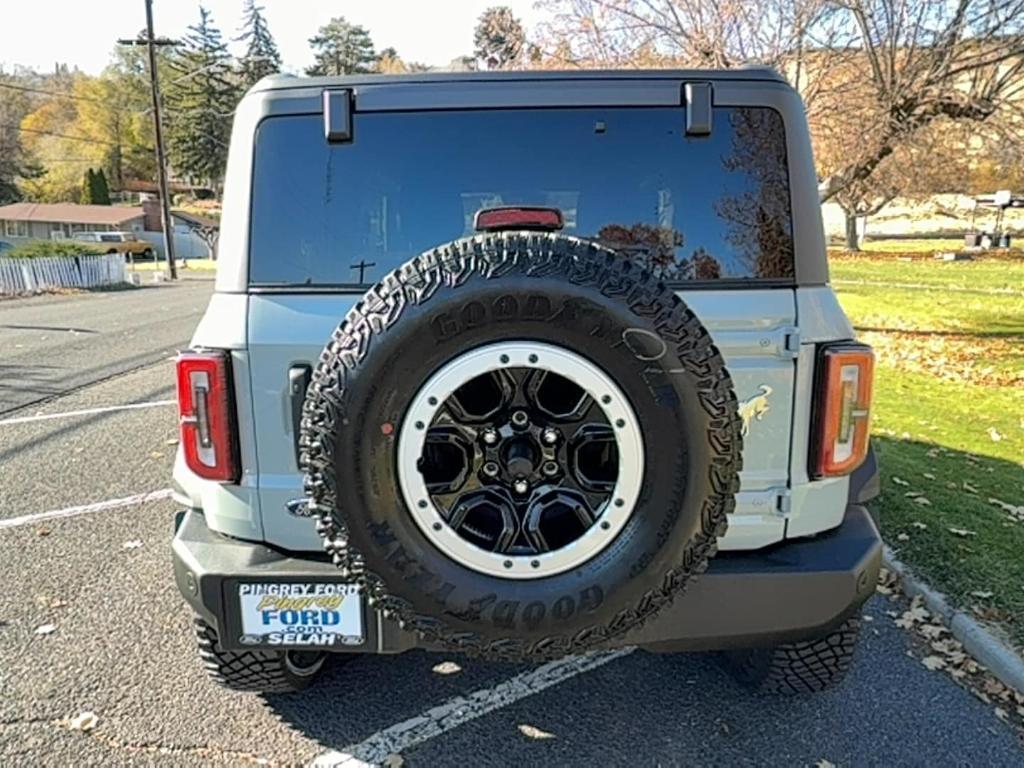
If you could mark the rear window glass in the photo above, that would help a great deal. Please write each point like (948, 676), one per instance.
(700, 208)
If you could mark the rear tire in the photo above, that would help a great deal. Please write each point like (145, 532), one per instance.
(262, 671)
(808, 666)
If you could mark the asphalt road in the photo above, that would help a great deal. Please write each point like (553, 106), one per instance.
(122, 647)
(49, 345)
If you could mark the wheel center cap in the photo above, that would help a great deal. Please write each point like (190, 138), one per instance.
(520, 456)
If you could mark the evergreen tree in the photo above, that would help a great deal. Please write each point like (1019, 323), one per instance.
(261, 57)
(100, 189)
(342, 49)
(201, 97)
(499, 38)
(88, 184)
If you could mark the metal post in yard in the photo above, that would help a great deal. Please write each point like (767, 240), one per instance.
(161, 160)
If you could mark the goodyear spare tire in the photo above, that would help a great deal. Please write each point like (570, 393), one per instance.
(521, 445)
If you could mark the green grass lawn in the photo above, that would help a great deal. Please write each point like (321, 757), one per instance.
(949, 421)
(199, 265)
(922, 246)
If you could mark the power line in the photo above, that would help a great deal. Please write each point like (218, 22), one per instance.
(83, 139)
(58, 135)
(57, 94)
(74, 97)
(49, 160)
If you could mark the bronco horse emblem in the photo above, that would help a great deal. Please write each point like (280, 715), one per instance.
(754, 407)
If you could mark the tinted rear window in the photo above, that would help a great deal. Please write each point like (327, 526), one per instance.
(701, 208)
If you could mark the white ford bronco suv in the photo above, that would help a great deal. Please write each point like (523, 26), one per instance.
(523, 365)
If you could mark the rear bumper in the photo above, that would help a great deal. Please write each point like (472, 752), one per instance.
(795, 590)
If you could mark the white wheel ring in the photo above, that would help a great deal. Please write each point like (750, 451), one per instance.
(521, 354)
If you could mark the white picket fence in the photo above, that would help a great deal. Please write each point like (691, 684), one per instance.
(25, 275)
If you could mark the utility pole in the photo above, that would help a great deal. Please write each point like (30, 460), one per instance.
(161, 159)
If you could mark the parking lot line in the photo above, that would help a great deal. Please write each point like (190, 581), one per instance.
(85, 412)
(85, 509)
(458, 710)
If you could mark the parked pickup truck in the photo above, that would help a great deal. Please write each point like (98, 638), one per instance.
(117, 242)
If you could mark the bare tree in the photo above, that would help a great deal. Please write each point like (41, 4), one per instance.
(917, 62)
(874, 74)
(727, 33)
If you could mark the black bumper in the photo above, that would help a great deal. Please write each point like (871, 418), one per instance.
(795, 590)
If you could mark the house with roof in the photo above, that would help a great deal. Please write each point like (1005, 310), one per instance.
(194, 236)
(61, 221)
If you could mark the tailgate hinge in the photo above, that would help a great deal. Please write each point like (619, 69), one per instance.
(790, 342)
(783, 502)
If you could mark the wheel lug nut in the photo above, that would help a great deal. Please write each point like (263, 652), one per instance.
(550, 468)
(520, 486)
(549, 436)
(490, 469)
(520, 419)
(490, 436)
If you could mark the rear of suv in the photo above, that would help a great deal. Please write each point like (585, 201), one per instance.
(522, 365)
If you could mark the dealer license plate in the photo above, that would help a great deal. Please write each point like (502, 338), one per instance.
(293, 614)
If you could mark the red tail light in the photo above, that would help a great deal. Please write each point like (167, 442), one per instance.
(843, 409)
(205, 407)
(518, 217)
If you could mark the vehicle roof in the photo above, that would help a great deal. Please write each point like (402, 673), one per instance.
(747, 73)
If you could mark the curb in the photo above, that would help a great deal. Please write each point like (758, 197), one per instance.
(1001, 660)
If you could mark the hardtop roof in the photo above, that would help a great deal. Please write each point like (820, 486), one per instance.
(747, 74)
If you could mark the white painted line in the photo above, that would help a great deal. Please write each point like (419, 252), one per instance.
(461, 709)
(86, 412)
(87, 509)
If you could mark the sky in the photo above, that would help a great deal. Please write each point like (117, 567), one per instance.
(82, 33)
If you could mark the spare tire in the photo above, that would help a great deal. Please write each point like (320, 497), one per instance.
(522, 445)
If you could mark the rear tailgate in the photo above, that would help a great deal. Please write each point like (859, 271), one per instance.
(287, 332)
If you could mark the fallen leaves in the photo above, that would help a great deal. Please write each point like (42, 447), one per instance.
(963, 533)
(1015, 512)
(84, 722)
(900, 481)
(888, 581)
(941, 652)
(922, 501)
(916, 614)
(982, 594)
(994, 434)
(447, 668)
(533, 732)
(960, 357)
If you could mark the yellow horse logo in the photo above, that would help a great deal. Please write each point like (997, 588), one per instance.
(754, 407)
